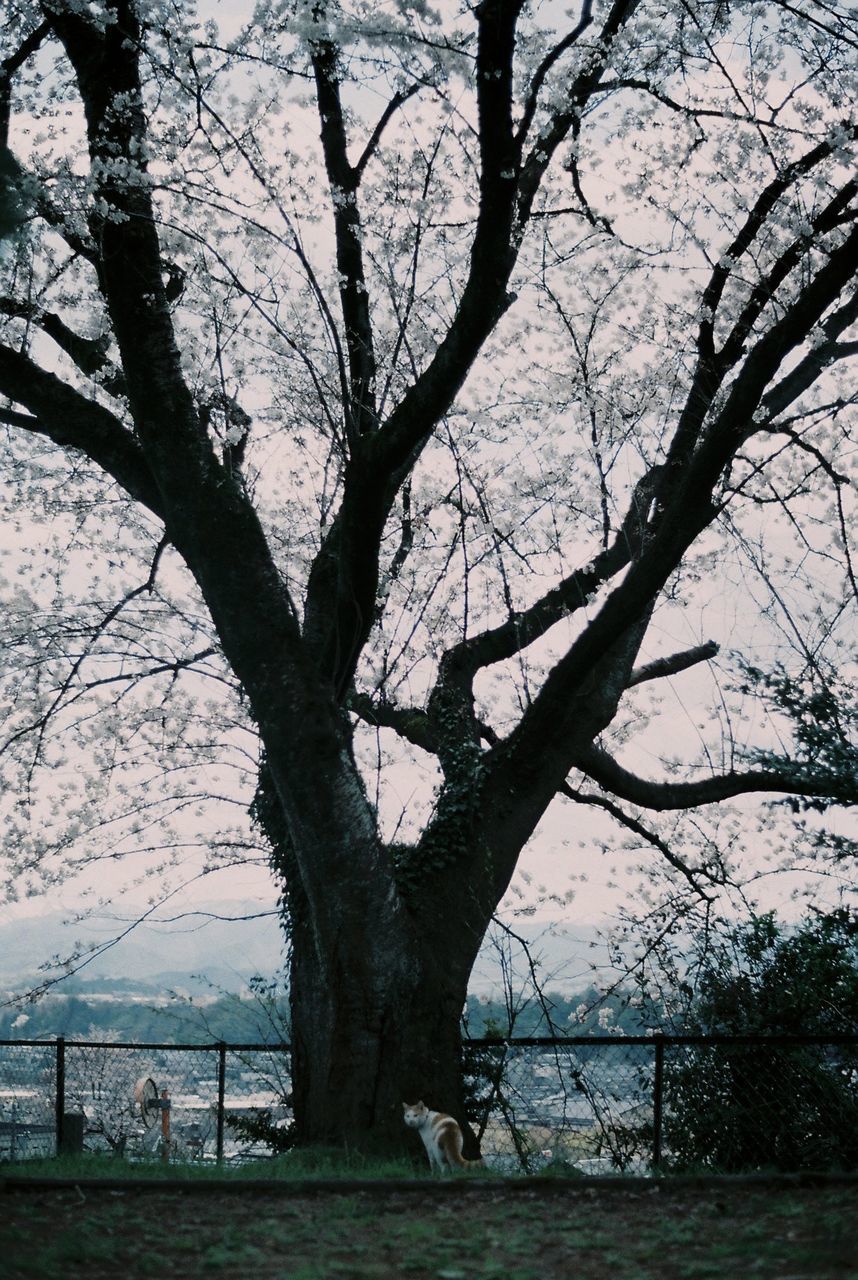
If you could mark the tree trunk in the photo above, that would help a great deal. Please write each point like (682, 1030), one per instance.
(378, 978)
(368, 1035)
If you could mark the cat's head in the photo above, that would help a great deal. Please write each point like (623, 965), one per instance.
(414, 1113)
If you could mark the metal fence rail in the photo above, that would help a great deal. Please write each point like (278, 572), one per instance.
(595, 1104)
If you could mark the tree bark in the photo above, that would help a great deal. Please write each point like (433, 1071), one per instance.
(378, 976)
(370, 1030)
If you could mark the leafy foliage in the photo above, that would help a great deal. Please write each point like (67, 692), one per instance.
(736, 1108)
(262, 1129)
(820, 710)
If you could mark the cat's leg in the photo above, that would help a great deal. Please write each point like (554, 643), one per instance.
(430, 1152)
(450, 1144)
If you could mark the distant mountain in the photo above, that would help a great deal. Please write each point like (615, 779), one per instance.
(227, 952)
(564, 953)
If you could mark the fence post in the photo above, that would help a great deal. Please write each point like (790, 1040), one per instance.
(221, 1093)
(60, 1096)
(657, 1101)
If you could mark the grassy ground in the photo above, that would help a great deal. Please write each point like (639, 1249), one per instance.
(651, 1233)
(317, 1163)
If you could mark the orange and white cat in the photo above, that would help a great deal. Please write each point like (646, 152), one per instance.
(441, 1136)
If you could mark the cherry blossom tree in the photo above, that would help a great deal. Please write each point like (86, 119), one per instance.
(387, 387)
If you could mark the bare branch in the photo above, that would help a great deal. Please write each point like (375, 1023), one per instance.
(14, 419)
(795, 779)
(784, 429)
(89, 354)
(398, 100)
(527, 625)
(73, 964)
(691, 110)
(409, 722)
(799, 379)
(669, 666)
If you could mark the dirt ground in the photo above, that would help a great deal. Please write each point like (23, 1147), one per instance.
(654, 1233)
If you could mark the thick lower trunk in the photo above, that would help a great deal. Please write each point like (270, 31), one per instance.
(378, 983)
(370, 1030)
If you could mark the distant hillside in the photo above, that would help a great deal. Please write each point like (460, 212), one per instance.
(195, 954)
(228, 952)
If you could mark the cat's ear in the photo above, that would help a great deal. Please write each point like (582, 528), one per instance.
(405, 1106)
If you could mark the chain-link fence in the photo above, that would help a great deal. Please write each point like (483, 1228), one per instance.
(573, 1102)
(595, 1104)
(176, 1101)
(641, 1104)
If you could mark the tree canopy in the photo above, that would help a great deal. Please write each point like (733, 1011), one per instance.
(414, 391)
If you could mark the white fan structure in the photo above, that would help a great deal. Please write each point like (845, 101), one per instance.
(147, 1100)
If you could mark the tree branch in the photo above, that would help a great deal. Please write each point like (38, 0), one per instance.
(26, 420)
(712, 368)
(566, 118)
(8, 67)
(802, 377)
(507, 190)
(72, 421)
(344, 180)
(669, 666)
(690, 507)
(406, 542)
(89, 354)
(545, 66)
(342, 590)
(735, 422)
(129, 261)
(756, 219)
(765, 289)
(794, 780)
(651, 837)
(341, 597)
(398, 100)
(688, 109)
(523, 627)
(409, 722)
(577, 691)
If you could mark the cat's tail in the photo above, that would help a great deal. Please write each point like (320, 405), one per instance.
(462, 1163)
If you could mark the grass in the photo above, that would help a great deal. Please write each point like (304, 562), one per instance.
(651, 1234)
(321, 1163)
